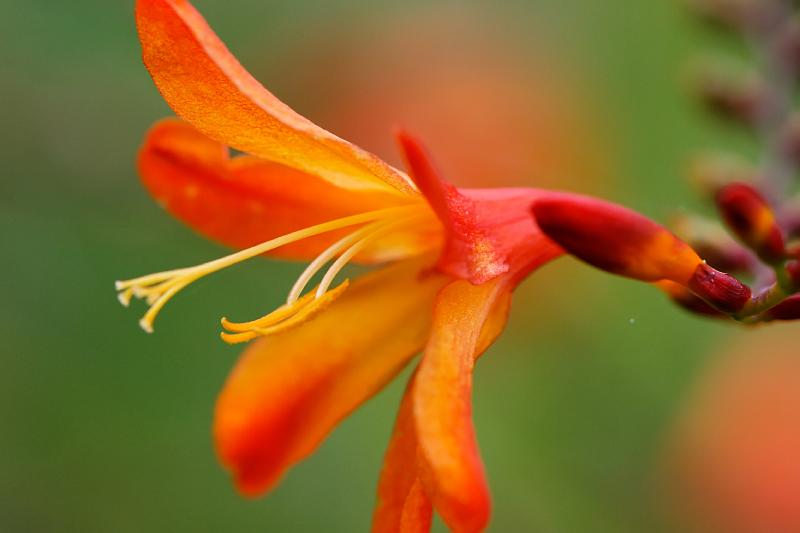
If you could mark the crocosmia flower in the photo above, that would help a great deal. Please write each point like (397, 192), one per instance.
(449, 259)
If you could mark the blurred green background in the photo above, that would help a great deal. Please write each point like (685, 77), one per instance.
(104, 428)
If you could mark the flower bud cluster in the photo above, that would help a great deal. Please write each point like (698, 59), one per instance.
(758, 237)
(741, 16)
(756, 204)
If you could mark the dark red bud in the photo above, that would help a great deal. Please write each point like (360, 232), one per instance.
(743, 101)
(614, 239)
(791, 138)
(728, 257)
(789, 44)
(790, 222)
(739, 15)
(686, 299)
(714, 244)
(793, 269)
(750, 217)
(710, 172)
(789, 309)
(720, 290)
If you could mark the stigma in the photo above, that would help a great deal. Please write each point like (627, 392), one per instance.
(368, 227)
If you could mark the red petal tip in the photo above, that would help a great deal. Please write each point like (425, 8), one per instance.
(722, 291)
(789, 309)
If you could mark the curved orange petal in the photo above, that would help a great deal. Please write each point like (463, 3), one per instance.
(288, 391)
(203, 83)
(244, 201)
(403, 505)
(466, 319)
(403, 502)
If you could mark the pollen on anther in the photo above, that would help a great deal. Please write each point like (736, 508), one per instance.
(124, 297)
(146, 326)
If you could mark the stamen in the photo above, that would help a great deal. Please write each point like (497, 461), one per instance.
(124, 297)
(157, 289)
(304, 309)
(298, 308)
(345, 258)
(326, 256)
(146, 323)
(279, 314)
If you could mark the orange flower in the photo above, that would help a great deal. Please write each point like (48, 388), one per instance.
(304, 193)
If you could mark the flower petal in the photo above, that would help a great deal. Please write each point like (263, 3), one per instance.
(403, 505)
(287, 392)
(203, 83)
(466, 319)
(244, 201)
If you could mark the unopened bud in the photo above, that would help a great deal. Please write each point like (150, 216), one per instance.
(713, 244)
(720, 290)
(739, 15)
(615, 239)
(710, 172)
(725, 258)
(789, 309)
(790, 140)
(743, 100)
(793, 270)
(687, 300)
(790, 222)
(750, 217)
(789, 44)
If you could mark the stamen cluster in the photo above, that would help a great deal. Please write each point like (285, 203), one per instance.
(157, 289)
(759, 237)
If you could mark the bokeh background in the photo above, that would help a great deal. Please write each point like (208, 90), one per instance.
(104, 428)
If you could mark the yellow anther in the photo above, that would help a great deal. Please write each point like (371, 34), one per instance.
(304, 312)
(279, 314)
(238, 338)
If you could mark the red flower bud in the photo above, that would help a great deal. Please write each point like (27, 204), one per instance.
(714, 244)
(615, 239)
(686, 299)
(751, 218)
(791, 135)
(710, 172)
(740, 100)
(739, 15)
(789, 309)
(720, 290)
(793, 269)
(726, 258)
(789, 44)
